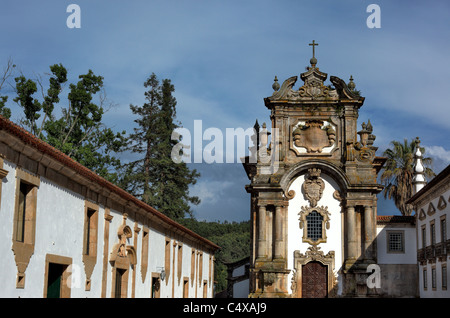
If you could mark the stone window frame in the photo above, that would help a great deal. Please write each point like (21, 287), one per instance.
(155, 277)
(3, 174)
(179, 261)
(388, 241)
(423, 233)
(144, 252)
(185, 287)
(200, 267)
(323, 211)
(193, 262)
(23, 250)
(205, 288)
(167, 245)
(90, 254)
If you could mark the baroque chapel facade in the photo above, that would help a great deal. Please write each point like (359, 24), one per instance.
(313, 192)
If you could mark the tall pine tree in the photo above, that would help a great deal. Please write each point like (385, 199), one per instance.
(155, 178)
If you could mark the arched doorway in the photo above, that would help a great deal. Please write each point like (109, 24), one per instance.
(314, 274)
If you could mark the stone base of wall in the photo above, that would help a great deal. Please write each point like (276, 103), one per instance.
(398, 280)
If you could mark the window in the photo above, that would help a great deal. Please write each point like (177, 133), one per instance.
(395, 242)
(443, 229)
(314, 224)
(120, 289)
(192, 265)
(444, 277)
(25, 213)
(424, 236)
(185, 287)
(433, 278)
(179, 262)
(313, 221)
(425, 279)
(144, 253)
(167, 258)
(24, 202)
(433, 233)
(90, 240)
(156, 285)
(205, 289)
(90, 229)
(24, 222)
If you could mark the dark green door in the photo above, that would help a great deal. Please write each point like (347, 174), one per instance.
(55, 272)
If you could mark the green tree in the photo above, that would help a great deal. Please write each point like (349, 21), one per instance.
(233, 238)
(8, 72)
(79, 131)
(154, 177)
(398, 173)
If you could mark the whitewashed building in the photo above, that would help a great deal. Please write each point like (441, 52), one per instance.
(397, 256)
(66, 232)
(431, 203)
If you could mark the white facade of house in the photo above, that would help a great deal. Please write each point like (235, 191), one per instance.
(397, 256)
(432, 206)
(96, 239)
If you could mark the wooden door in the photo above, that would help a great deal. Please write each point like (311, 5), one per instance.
(314, 280)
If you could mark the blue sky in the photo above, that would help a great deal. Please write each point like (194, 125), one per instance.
(222, 57)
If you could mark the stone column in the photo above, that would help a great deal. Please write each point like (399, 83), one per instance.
(368, 232)
(351, 233)
(279, 217)
(262, 253)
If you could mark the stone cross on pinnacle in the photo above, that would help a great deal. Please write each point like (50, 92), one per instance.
(313, 60)
(313, 44)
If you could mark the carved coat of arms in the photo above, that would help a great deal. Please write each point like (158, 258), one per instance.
(314, 136)
(313, 186)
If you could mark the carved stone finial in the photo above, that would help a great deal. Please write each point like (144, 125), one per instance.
(276, 85)
(351, 85)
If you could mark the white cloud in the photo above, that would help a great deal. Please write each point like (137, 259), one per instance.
(210, 192)
(438, 152)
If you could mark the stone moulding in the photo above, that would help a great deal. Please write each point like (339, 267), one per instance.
(313, 254)
(303, 224)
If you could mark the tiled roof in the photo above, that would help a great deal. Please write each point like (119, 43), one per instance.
(385, 219)
(54, 153)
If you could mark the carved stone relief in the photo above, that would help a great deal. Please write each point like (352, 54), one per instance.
(314, 136)
(313, 186)
(303, 223)
(313, 254)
